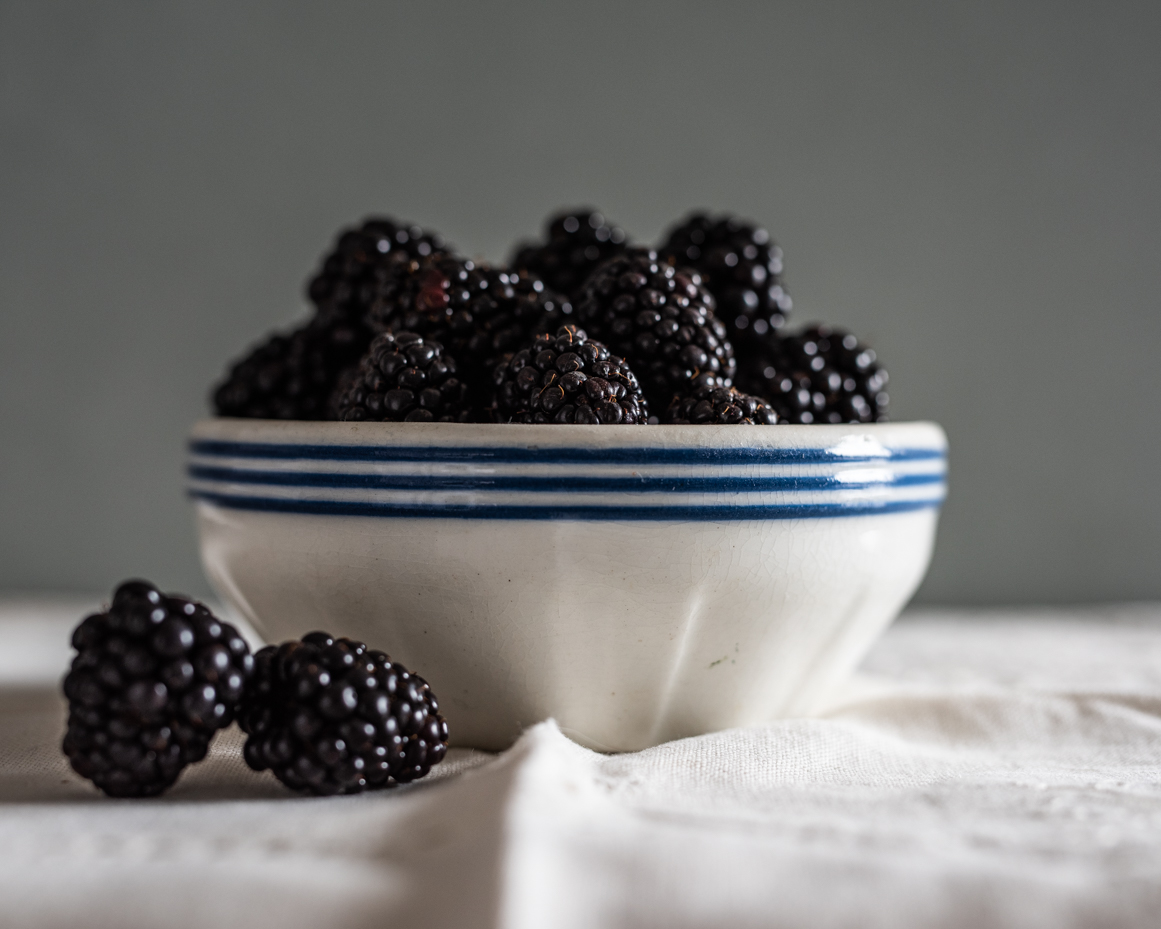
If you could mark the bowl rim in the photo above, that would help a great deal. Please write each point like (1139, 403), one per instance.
(588, 472)
(840, 439)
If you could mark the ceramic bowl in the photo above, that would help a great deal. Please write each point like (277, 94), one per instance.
(636, 583)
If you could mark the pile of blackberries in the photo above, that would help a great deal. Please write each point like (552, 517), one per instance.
(403, 329)
(157, 676)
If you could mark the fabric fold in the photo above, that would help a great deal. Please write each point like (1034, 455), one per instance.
(988, 771)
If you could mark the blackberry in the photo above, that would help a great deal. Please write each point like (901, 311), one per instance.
(566, 378)
(155, 677)
(403, 378)
(330, 716)
(661, 320)
(742, 268)
(479, 313)
(576, 242)
(820, 375)
(359, 272)
(292, 376)
(719, 405)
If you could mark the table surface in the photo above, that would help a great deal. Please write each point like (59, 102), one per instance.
(984, 769)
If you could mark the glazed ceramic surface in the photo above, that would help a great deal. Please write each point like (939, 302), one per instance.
(636, 583)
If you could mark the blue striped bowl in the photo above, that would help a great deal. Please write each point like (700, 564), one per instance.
(636, 583)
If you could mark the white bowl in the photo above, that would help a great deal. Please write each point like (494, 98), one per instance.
(637, 583)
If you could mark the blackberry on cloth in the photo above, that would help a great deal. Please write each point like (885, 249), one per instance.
(331, 716)
(742, 268)
(819, 375)
(568, 378)
(661, 320)
(155, 677)
(575, 243)
(719, 406)
(403, 378)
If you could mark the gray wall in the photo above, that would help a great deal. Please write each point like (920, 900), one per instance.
(974, 188)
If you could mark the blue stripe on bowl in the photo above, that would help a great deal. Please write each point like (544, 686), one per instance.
(222, 472)
(548, 455)
(550, 484)
(711, 513)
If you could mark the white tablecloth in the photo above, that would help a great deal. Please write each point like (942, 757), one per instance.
(987, 769)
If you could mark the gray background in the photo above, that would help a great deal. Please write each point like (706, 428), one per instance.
(975, 189)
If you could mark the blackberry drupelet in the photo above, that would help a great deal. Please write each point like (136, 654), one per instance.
(820, 375)
(155, 677)
(576, 242)
(479, 313)
(567, 378)
(358, 275)
(742, 268)
(330, 716)
(719, 405)
(661, 320)
(403, 378)
(292, 376)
